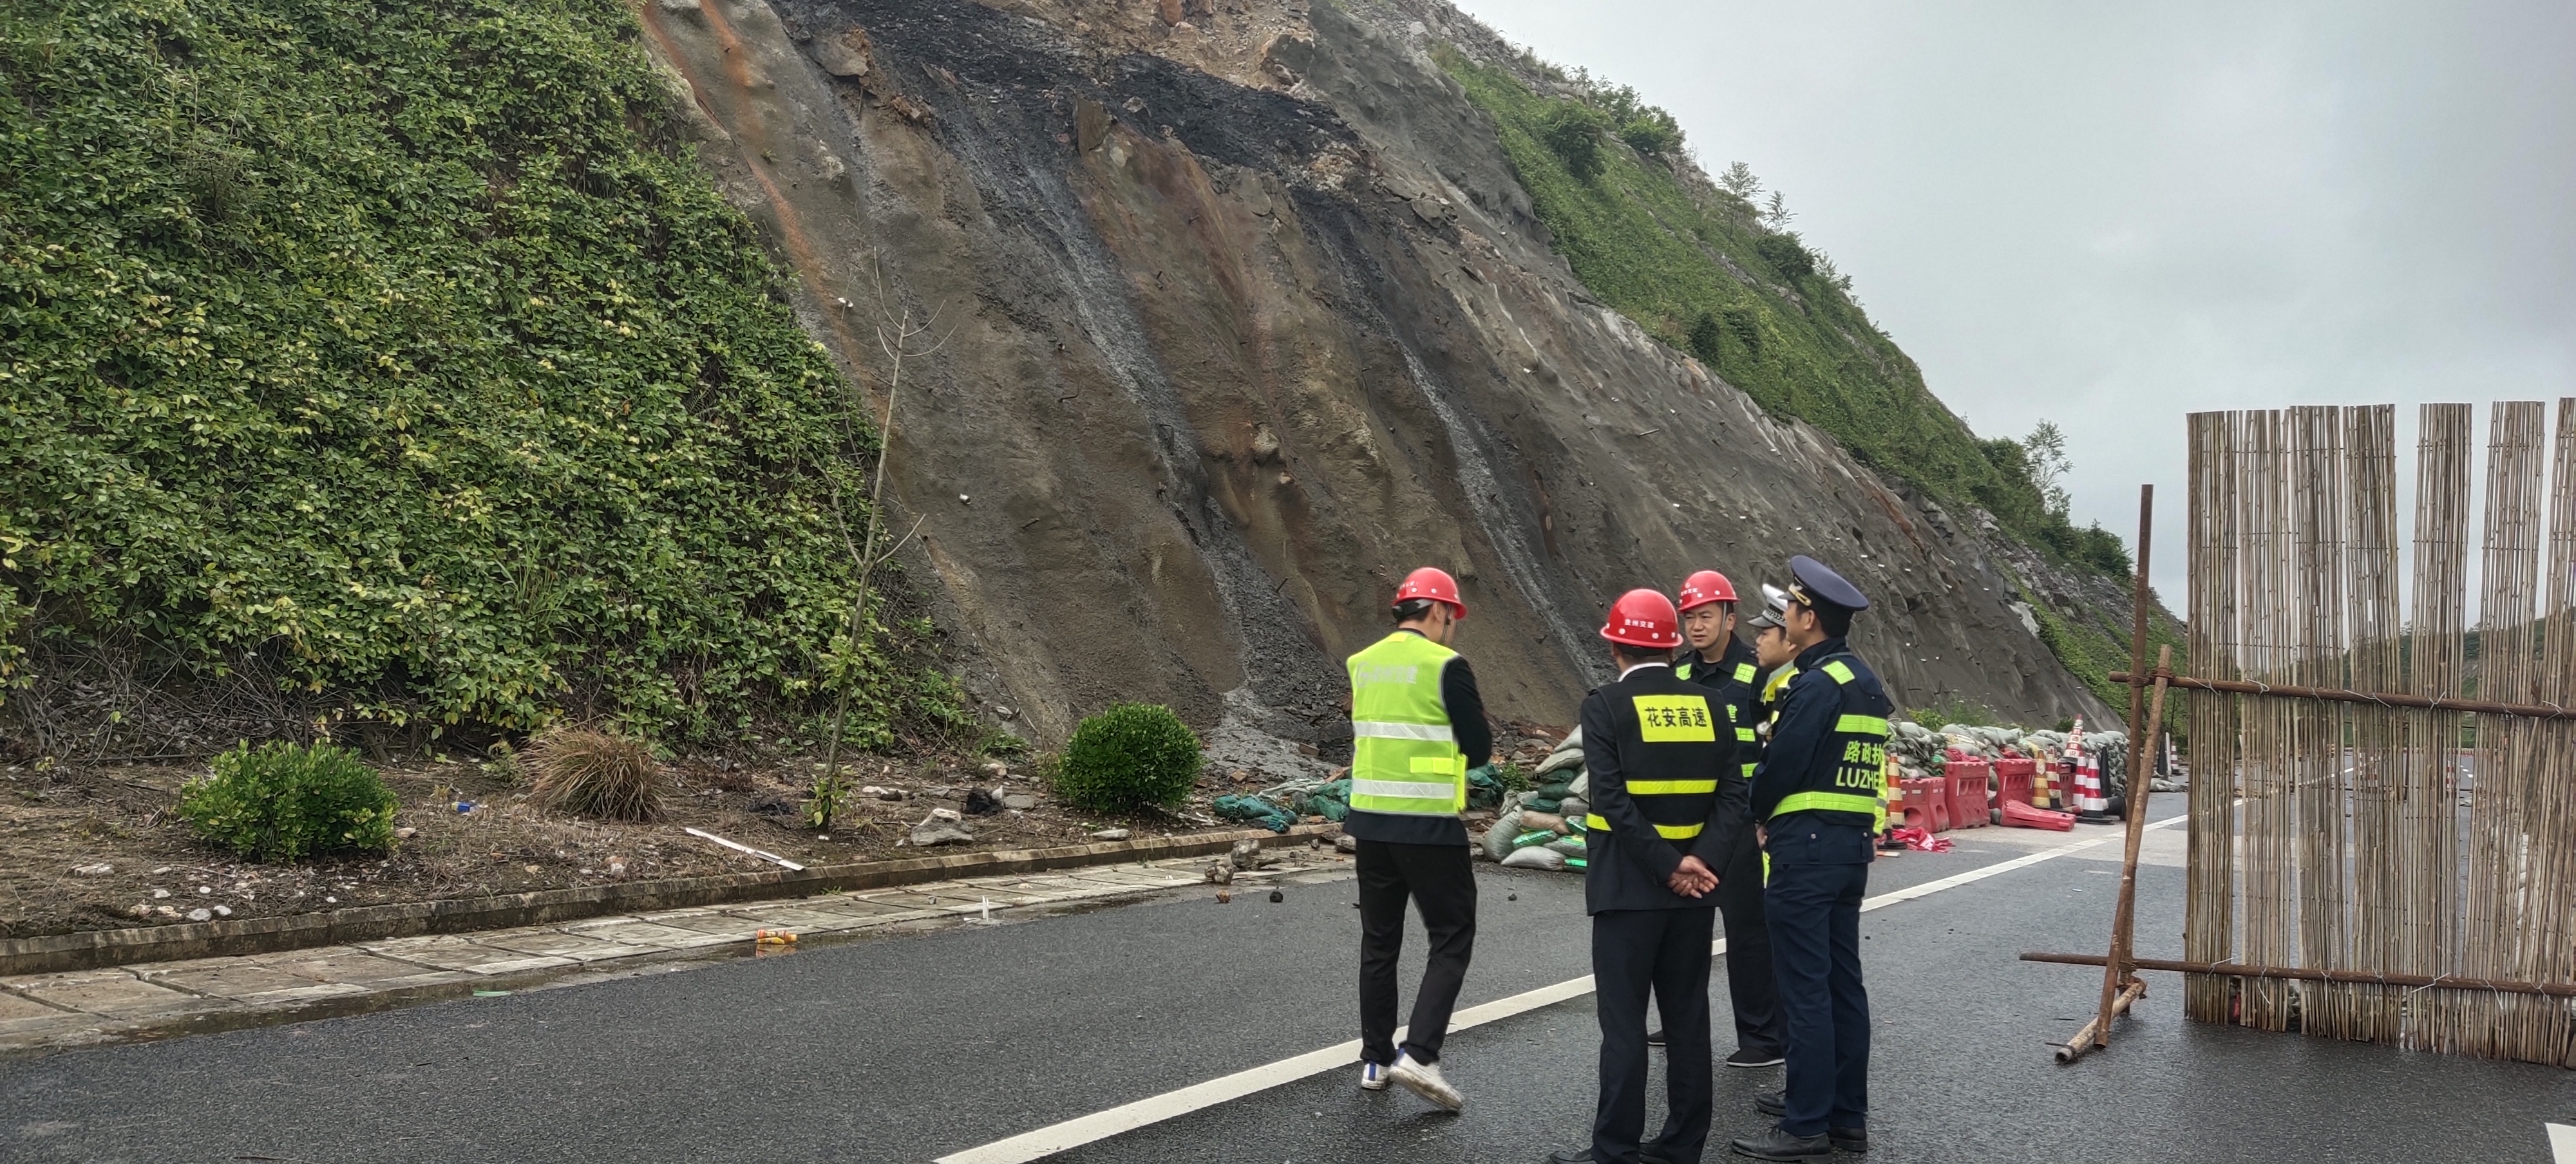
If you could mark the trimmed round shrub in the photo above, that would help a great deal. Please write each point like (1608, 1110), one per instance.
(281, 802)
(586, 771)
(1134, 755)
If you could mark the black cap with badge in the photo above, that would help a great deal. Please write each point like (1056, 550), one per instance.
(1815, 585)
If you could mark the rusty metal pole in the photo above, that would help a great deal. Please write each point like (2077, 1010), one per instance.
(2116, 973)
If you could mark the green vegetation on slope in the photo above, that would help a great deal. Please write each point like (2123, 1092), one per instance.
(398, 353)
(1784, 330)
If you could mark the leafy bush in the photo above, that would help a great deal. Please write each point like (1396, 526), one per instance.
(1786, 255)
(404, 347)
(593, 773)
(1572, 130)
(1653, 133)
(1134, 755)
(280, 802)
(1704, 339)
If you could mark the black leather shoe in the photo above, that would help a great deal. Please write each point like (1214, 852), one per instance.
(1779, 1145)
(1654, 1038)
(1848, 1139)
(1745, 1057)
(1771, 1103)
(1584, 1156)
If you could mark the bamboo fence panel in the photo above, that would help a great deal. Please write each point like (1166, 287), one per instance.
(2550, 954)
(2373, 1013)
(2211, 646)
(2428, 831)
(2365, 851)
(2316, 840)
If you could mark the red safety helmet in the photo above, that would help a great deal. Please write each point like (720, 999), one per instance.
(1706, 587)
(1433, 583)
(1643, 618)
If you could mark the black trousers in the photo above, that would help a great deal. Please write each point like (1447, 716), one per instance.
(1749, 984)
(1441, 880)
(1815, 945)
(1665, 950)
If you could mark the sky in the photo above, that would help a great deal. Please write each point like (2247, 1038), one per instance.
(2111, 215)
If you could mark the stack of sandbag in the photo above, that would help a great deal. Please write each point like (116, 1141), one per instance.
(1918, 752)
(1542, 828)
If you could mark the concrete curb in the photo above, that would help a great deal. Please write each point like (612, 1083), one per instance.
(90, 950)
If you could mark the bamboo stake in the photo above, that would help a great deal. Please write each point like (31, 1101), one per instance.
(2111, 976)
(2388, 699)
(2124, 917)
(2310, 974)
(2090, 1035)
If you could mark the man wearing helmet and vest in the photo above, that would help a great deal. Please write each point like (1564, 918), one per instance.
(1816, 793)
(1721, 662)
(1417, 725)
(1659, 759)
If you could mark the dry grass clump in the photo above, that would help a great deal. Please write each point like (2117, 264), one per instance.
(593, 773)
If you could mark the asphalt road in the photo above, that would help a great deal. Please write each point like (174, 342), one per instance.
(906, 1048)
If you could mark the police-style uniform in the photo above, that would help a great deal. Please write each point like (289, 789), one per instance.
(1734, 676)
(1816, 792)
(1659, 759)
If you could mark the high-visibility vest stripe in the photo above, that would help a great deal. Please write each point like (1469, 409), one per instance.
(1670, 787)
(1744, 672)
(1382, 730)
(1841, 672)
(1863, 725)
(1405, 789)
(1670, 832)
(1827, 802)
(1744, 735)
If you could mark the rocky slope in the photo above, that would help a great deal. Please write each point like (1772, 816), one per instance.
(1237, 312)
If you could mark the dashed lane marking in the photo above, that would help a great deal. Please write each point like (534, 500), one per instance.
(2562, 1143)
(1101, 1125)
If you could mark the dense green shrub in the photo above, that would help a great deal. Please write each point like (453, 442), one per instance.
(1134, 755)
(403, 347)
(1572, 130)
(280, 802)
(1786, 255)
(1653, 133)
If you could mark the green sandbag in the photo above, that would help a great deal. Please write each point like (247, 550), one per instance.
(1254, 810)
(1331, 802)
(1543, 803)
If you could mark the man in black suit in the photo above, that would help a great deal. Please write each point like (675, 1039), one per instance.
(1657, 749)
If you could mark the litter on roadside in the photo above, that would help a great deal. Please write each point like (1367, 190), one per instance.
(763, 854)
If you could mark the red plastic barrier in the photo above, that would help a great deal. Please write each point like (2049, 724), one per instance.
(1913, 805)
(2019, 815)
(2016, 777)
(1968, 793)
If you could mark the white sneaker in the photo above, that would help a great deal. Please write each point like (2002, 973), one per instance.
(1424, 1079)
(1372, 1076)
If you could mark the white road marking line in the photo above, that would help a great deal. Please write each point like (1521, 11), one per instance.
(1154, 1109)
(2562, 1143)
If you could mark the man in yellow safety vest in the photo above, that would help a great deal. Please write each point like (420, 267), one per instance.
(1417, 726)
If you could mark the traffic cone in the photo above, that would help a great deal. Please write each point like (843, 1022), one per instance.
(2091, 806)
(2022, 816)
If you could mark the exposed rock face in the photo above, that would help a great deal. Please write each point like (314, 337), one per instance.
(1240, 315)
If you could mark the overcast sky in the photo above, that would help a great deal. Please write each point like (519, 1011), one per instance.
(2108, 217)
